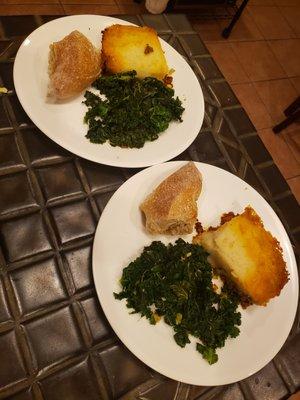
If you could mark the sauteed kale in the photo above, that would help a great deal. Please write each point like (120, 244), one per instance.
(134, 111)
(174, 281)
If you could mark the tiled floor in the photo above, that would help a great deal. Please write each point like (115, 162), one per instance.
(261, 61)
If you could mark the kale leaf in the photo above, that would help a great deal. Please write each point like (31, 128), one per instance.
(134, 111)
(174, 281)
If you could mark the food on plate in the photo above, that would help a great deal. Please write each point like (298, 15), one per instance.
(172, 207)
(248, 254)
(127, 48)
(74, 63)
(174, 282)
(133, 112)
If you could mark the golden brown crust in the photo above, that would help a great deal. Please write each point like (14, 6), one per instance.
(74, 64)
(249, 254)
(126, 48)
(171, 207)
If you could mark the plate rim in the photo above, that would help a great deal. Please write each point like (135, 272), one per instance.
(293, 268)
(116, 163)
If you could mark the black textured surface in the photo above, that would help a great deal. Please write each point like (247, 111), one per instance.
(55, 343)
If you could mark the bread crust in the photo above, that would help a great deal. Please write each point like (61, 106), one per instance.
(171, 208)
(126, 48)
(74, 63)
(249, 255)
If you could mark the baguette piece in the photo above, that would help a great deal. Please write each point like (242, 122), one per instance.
(248, 254)
(171, 208)
(126, 48)
(74, 63)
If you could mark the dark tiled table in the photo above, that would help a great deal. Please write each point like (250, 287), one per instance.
(55, 342)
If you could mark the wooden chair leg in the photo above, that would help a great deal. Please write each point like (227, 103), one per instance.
(292, 107)
(292, 118)
(226, 32)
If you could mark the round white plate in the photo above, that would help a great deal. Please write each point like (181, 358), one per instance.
(120, 238)
(63, 123)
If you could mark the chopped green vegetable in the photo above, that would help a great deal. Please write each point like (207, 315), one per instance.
(134, 111)
(175, 282)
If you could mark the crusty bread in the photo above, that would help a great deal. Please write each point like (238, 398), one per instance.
(127, 48)
(74, 63)
(249, 255)
(171, 208)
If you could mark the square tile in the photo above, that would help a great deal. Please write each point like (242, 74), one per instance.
(102, 177)
(293, 140)
(4, 310)
(258, 60)
(267, 384)
(6, 73)
(4, 119)
(277, 95)
(14, 370)
(98, 324)
(23, 237)
(23, 395)
(296, 83)
(240, 121)
(270, 22)
(166, 390)
(294, 184)
(208, 29)
(73, 221)
(234, 154)
(255, 108)
(228, 62)
(40, 148)
(76, 382)
(99, 9)
(178, 22)
(193, 44)
(16, 193)
(38, 285)
(63, 338)
(223, 94)
(80, 265)
(223, 130)
(9, 153)
(274, 180)
(21, 116)
(206, 147)
(59, 181)
(245, 29)
(289, 359)
(287, 53)
(252, 179)
(123, 379)
(292, 16)
(256, 149)
(281, 153)
(102, 199)
(290, 210)
(159, 22)
(18, 25)
(208, 68)
(176, 44)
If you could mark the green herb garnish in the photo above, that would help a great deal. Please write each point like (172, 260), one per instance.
(174, 281)
(134, 111)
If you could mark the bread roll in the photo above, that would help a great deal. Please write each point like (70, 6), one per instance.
(171, 208)
(74, 63)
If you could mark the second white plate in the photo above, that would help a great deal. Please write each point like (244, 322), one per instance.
(120, 238)
(63, 123)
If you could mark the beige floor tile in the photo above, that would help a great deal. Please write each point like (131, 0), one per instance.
(287, 52)
(270, 22)
(255, 108)
(281, 153)
(227, 62)
(258, 60)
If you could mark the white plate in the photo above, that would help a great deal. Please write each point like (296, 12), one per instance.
(63, 123)
(120, 238)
